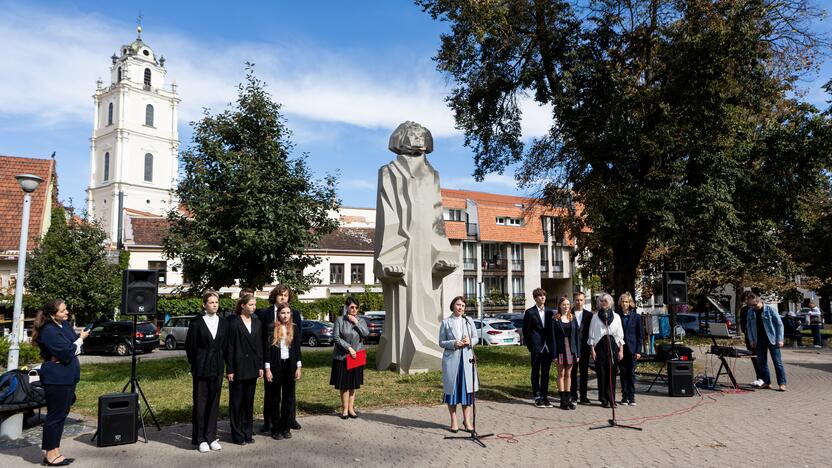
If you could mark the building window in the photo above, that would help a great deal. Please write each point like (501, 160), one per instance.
(516, 257)
(336, 273)
(148, 167)
(557, 259)
(453, 214)
(469, 256)
(357, 273)
(517, 286)
(118, 75)
(148, 115)
(469, 287)
(544, 258)
(506, 221)
(161, 267)
(110, 113)
(146, 78)
(106, 166)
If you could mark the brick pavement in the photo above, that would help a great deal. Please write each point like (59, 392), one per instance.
(762, 428)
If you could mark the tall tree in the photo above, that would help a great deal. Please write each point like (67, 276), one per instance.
(660, 112)
(251, 209)
(71, 263)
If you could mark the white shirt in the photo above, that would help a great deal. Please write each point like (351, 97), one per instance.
(542, 312)
(248, 325)
(284, 348)
(213, 322)
(597, 330)
(579, 314)
(459, 326)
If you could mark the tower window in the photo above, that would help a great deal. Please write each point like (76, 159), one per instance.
(106, 166)
(148, 115)
(110, 113)
(119, 75)
(148, 167)
(146, 78)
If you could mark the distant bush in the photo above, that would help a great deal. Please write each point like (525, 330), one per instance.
(28, 354)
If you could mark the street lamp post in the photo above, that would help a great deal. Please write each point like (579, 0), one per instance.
(12, 427)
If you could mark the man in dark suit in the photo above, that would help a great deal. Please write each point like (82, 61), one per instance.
(540, 341)
(583, 317)
(268, 316)
(205, 347)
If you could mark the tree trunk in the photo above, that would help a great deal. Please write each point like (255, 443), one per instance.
(627, 251)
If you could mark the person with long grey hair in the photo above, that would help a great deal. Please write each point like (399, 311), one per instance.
(606, 340)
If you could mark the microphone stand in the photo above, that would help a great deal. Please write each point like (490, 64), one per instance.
(474, 437)
(612, 422)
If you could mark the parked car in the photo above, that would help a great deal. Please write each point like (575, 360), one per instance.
(689, 322)
(316, 332)
(497, 332)
(375, 323)
(115, 337)
(510, 316)
(375, 313)
(175, 330)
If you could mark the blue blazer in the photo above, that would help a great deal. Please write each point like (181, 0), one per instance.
(57, 348)
(560, 338)
(632, 332)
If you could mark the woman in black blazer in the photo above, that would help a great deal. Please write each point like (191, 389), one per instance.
(205, 346)
(567, 350)
(244, 365)
(59, 373)
(282, 369)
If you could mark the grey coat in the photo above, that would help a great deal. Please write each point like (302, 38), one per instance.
(452, 355)
(347, 335)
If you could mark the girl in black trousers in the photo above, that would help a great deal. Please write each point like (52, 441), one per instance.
(282, 369)
(244, 365)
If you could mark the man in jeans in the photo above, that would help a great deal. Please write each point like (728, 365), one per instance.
(765, 332)
(744, 311)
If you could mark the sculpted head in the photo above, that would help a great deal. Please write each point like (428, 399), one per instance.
(411, 139)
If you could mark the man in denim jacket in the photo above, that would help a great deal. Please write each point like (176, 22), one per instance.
(765, 333)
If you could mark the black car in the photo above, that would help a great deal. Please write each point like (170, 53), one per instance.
(316, 332)
(114, 337)
(375, 323)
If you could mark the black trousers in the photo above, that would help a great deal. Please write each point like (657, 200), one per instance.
(582, 383)
(268, 399)
(241, 409)
(541, 363)
(283, 395)
(606, 368)
(58, 401)
(206, 409)
(754, 362)
(627, 367)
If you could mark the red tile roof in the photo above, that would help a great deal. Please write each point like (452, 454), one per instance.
(150, 230)
(348, 239)
(11, 199)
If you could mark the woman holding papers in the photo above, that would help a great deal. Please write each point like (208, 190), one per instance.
(456, 335)
(349, 334)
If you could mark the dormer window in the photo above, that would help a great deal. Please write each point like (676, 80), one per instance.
(146, 78)
(148, 115)
(146, 53)
(506, 221)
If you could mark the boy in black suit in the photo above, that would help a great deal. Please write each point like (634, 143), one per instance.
(584, 318)
(539, 339)
(205, 347)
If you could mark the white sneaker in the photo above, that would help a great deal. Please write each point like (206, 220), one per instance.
(757, 383)
(203, 447)
(818, 346)
(215, 445)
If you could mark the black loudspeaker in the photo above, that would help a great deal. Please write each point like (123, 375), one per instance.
(675, 287)
(118, 419)
(138, 292)
(679, 378)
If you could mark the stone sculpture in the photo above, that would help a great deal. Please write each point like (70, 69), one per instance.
(412, 254)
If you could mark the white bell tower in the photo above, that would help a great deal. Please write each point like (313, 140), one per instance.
(135, 143)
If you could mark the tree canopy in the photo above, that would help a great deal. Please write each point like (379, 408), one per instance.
(251, 209)
(71, 263)
(674, 125)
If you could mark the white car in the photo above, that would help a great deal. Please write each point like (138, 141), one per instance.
(497, 332)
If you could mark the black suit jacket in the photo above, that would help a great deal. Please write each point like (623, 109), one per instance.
(244, 355)
(537, 334)
(583, 327)
(294, 352)
(206, 355)
(266, 316)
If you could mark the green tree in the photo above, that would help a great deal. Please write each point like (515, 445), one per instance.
(252, 210)
(71, 263)
(666, 119)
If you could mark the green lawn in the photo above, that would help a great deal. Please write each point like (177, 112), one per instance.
(504, 374)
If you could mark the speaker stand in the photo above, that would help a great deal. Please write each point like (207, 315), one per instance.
(134, 385)
(611, 362)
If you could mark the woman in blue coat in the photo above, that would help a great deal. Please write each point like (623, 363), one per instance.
(459, 381)
(60, 372)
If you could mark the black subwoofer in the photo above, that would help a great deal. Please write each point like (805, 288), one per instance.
(117, 419)
(680, 378)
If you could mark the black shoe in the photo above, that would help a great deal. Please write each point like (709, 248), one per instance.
(605, 404)
(547, 403)
(573, 398)
(538, 402)
(243, 442)
(287, 434)
(63, 462)
(295, 426)
(265, 428)
(344, 416)
(250, 441)
(277, 436)
(353, 416)
(585, 401)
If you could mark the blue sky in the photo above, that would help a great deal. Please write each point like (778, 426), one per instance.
(347, 73)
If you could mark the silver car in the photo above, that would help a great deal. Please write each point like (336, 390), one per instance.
(175, 330)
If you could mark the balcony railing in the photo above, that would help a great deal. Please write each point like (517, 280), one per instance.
(518, 299)
(544, 266)
(517, 265)
(497, 264)
(469, 263)
(557, 267)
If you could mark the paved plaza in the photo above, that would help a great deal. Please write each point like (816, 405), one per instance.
(720, 428)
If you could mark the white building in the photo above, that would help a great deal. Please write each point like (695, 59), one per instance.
(135, 142)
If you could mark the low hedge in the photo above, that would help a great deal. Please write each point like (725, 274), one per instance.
(28, 354)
